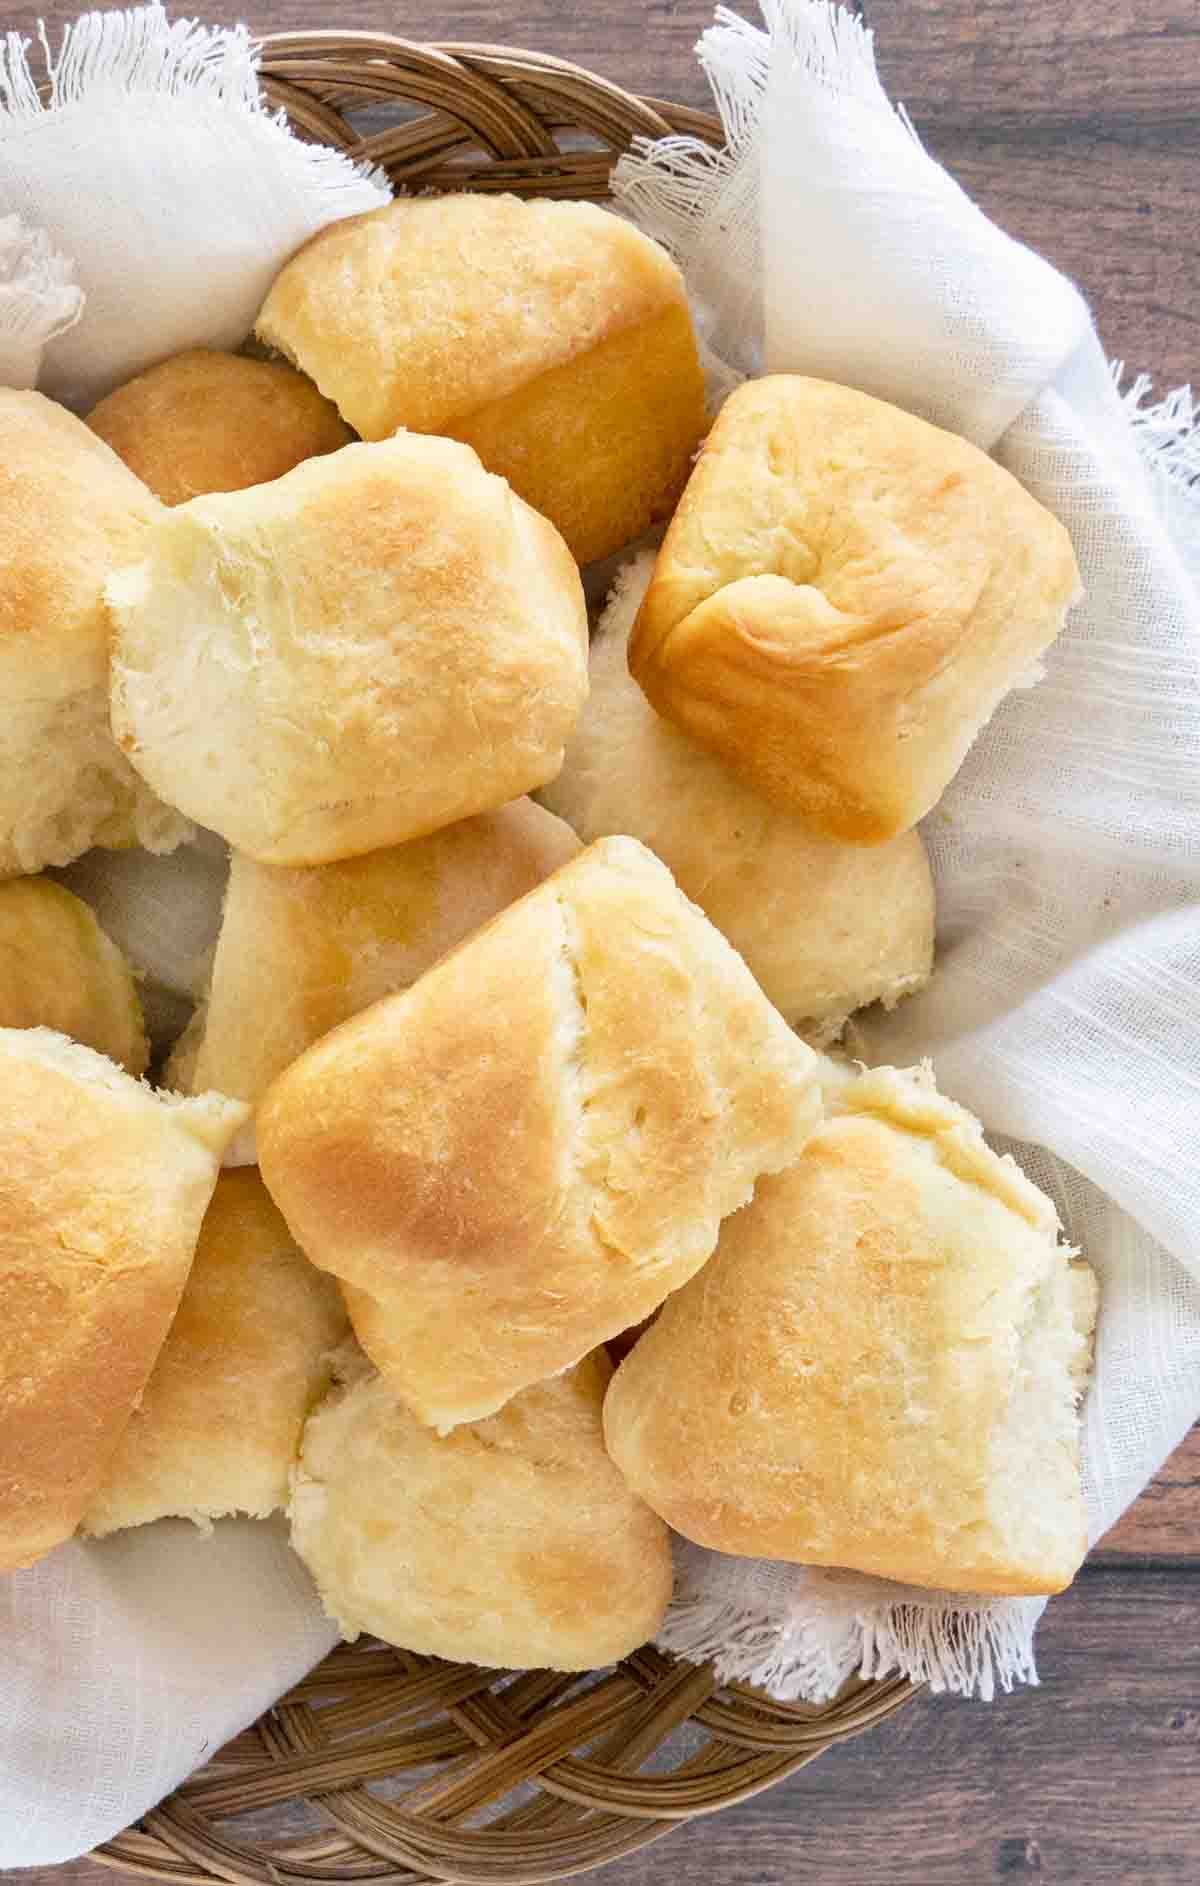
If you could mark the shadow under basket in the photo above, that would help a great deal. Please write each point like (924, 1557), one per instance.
(381, 1765)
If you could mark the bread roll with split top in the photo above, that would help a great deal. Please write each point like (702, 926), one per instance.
(529, 1149)
(880, 1367)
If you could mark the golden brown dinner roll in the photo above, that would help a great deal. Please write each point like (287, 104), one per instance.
(70, 513)
(843, 597)
(379, 643)
(879, 1368)
(825, 927)
(58, 970)
(536, 1142)
(303, 949)
(103, 1184)
(205, 421)
(553, 337)
(217, 1429)
(514, 1543)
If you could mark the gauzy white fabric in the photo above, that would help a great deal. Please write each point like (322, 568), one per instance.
(39, 298)
(1066, 1004)
(154, 165)
(1065, 1008)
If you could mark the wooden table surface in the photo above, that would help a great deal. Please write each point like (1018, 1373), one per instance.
(1076, 124)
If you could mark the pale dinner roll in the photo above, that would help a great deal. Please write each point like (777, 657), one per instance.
(379, 643)
(58, 970)
(527, 1150)
(205, 421)
(825, 927)
(879, 1368)
(303, 949)
(218, 1426)
(553, 337)
(103, 1184)
(514, 1544)
(843, 597)
(70, 513)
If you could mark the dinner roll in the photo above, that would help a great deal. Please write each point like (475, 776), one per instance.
(70, 513)
(380, 642)
(879, 1368)
(205, 421)
(302, 949)
(844, 596)
(103, 1184)
(825, 927)
(537, 1142)
(514, 1543)
(217, 1429)
(58, 970)
(553, 337)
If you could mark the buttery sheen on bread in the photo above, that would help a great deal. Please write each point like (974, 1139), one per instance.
(58, 970)
(103, 1185)
(217, 1429)
(378, 643)
(526, 1151)
(70, 513)
(302, 949)
(843, 597)
(554, 338)
(825, 927)
(880, 1366)
(205, 421)
(513, 1543)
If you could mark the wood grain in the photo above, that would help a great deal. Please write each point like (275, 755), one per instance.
(1074, 123)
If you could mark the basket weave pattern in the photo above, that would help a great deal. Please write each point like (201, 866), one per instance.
(381, 1765)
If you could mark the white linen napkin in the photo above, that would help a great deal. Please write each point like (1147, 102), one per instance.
(1066, 1009)
(1065, 1006)
(155, 166)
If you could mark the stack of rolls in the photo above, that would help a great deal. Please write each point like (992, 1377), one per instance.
(548, 1221)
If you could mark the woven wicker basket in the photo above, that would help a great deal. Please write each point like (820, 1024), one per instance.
(385, 1766)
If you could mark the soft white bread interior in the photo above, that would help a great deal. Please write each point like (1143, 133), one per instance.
(164, 913)
(58, 970)
(825, 927)
(537, 1142)
(217, 1429)
(842, 599)
(204, 421)
(554, 338)
(880, 1367)
(70, 513)
(103, 1185)
(378, 643)
(514, 1543)
(302, 949)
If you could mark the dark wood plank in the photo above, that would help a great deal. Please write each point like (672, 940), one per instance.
(987, 65)
(1165, 1522)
